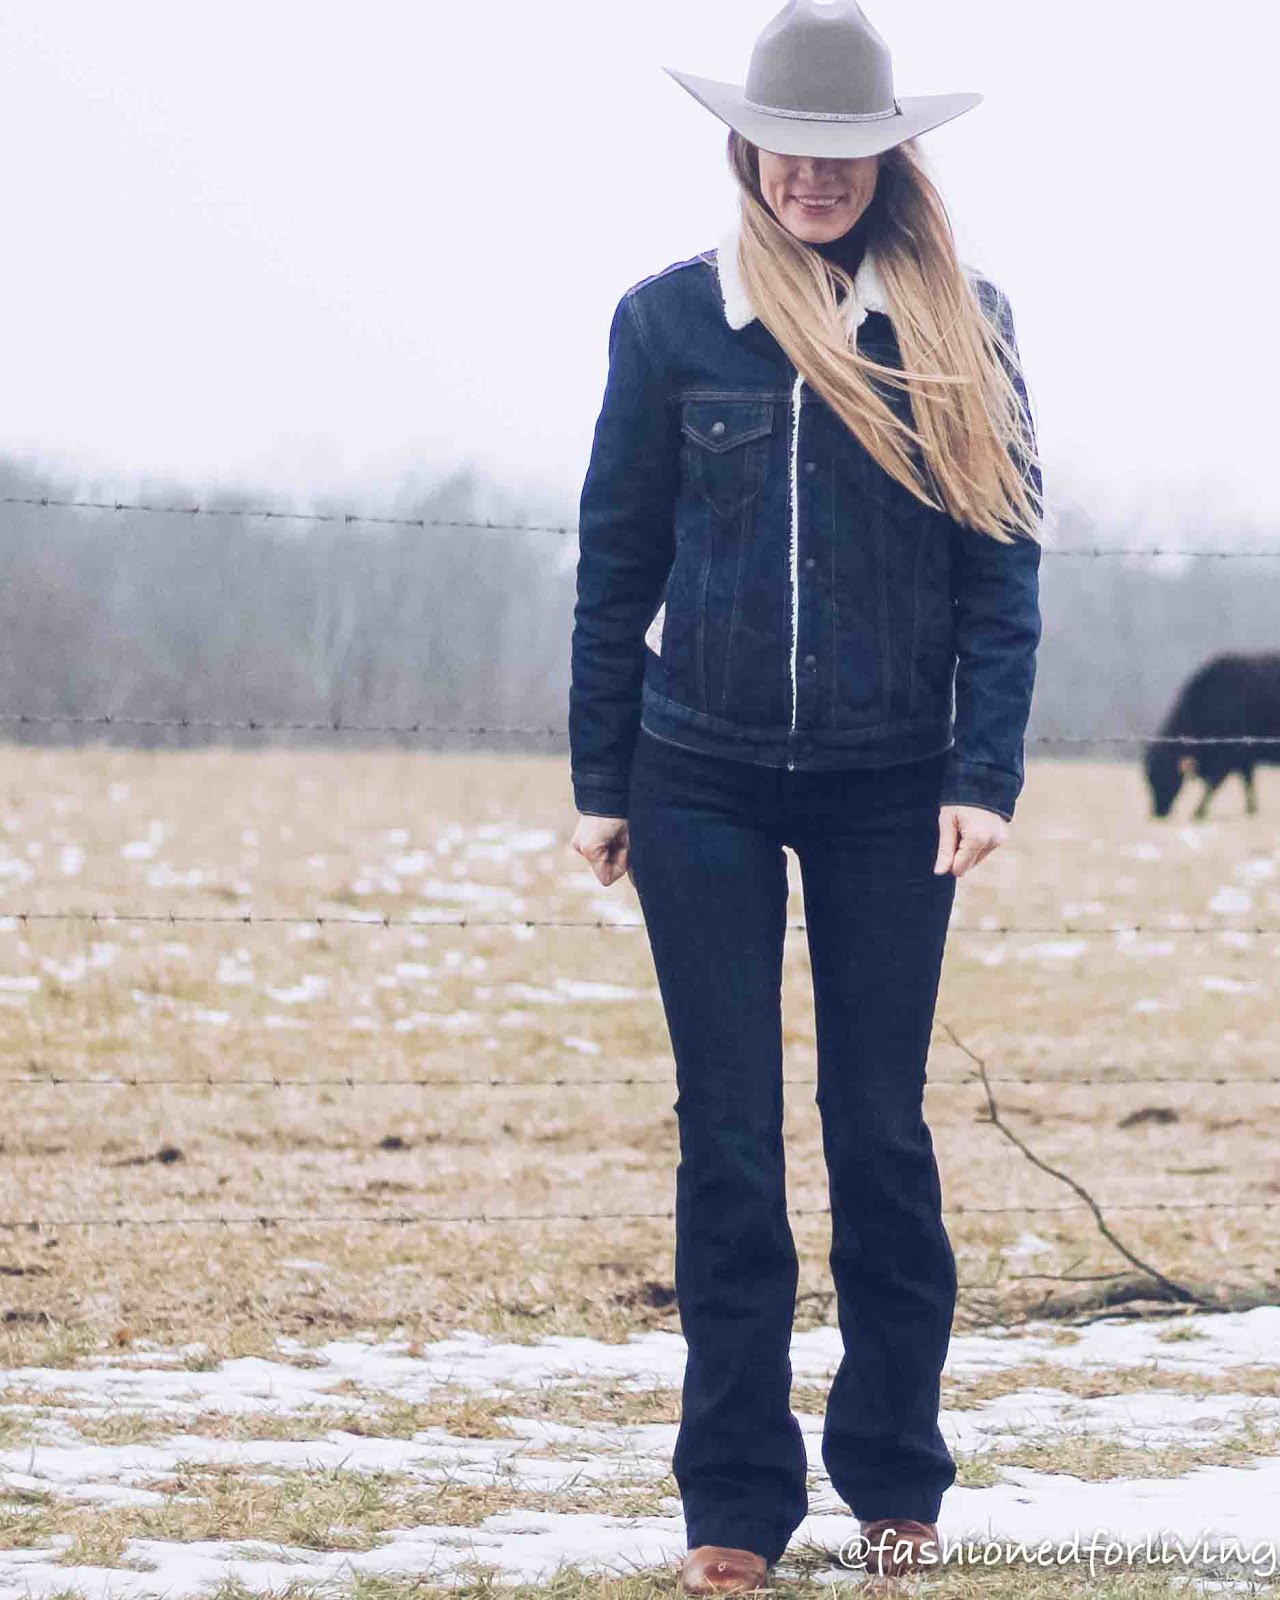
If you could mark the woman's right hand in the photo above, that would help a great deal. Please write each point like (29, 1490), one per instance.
(603, 842)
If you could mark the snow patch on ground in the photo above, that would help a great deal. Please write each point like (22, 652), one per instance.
(529, 1545)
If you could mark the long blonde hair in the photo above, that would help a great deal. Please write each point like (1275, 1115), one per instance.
(970, 428)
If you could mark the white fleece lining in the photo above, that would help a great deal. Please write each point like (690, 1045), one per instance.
(868, 287)
(795, 541)
(653, 635)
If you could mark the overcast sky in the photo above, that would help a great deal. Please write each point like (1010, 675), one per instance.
(319, 246)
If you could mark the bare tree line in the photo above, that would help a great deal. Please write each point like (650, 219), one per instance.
(229, 619)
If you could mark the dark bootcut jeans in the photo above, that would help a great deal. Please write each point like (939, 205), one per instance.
(706, 846)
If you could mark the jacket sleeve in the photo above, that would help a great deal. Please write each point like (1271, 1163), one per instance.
(997, 627)
(626, 543)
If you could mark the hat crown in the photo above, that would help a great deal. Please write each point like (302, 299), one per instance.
(821, 58)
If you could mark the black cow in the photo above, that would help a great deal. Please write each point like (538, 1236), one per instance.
(1234, 697)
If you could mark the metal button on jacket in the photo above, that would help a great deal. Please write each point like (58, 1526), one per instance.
(717, 428)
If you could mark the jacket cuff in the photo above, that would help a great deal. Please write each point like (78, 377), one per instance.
(597, 794)
(977, 783)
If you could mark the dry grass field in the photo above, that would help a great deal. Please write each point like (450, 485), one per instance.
(242, 1141)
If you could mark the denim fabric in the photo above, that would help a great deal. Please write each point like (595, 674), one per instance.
(706, 841)
(804, 610)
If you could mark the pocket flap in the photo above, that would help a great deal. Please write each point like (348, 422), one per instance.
(723, 424)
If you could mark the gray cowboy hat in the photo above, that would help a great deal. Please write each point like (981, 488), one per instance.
(820, 83)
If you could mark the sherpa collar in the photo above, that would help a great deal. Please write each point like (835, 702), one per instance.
(868, 287)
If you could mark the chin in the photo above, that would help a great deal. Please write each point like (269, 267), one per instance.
(821, 230)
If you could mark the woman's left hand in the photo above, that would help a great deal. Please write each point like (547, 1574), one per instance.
(966, 834)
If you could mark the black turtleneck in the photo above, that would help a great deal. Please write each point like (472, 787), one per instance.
(847, 251)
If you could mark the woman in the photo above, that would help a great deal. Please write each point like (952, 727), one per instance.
(810, 510)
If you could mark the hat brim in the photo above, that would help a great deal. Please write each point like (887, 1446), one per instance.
(800, 136)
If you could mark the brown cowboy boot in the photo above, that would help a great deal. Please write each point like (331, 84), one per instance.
(720, 1569)
(901, 1545)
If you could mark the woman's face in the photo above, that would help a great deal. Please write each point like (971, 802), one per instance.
(818, 198)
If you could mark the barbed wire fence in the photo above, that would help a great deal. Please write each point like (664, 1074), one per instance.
(107, 719)
(385, 919)
(49, 1079)
(415, 1218)
(349, 519)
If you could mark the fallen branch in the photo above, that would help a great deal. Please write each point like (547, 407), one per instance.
(1171, 1290)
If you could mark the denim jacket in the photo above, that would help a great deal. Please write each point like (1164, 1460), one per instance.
(752, 584)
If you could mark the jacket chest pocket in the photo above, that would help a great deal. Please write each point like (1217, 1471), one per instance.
(725, 449)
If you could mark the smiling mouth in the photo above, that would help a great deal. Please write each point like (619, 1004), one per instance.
(818, 202)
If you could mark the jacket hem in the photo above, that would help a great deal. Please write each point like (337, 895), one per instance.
(880, 744)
